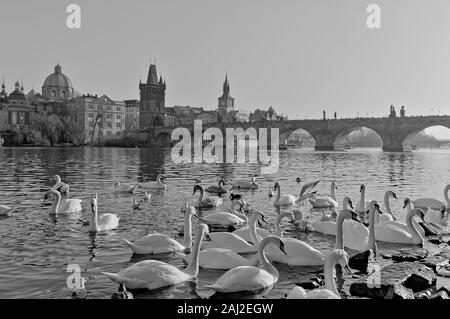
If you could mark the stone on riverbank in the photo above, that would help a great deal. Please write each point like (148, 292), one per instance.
(362, 261)
(407, 255)
(398, 291)
(378, 284)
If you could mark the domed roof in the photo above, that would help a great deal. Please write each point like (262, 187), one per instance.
(18, 93)
(58, 79)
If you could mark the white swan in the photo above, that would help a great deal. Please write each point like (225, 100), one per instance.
(220, 258)
(391, 234)
(437, 217)
(306, 191)
(153, 274)
(62, 208)
(328, 227)
(298, 253)
(124, 188)
(357, 236)
(219, 189)
(325, 201)
(389, 216)
(226, 219)
(206, 201)
(244, 184)
(163, 244)
(330, 291)
(60, 186)
(101, 222)
(425, 203)
(158, 184)
(362, 205)
(250, 278)
(285, 200)
(6, 210)
(241, 198)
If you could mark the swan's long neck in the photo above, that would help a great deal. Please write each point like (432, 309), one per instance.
(56, 203)
(446, 191)
(330, 264)
(187, 229)
(263, 258)
(256, 239)
(192, 268)
(333, 191)
(278, 230)
(372, 243)
(339, 234)
(94, 219)
(278, 193)
(363, 199)
(412, 227)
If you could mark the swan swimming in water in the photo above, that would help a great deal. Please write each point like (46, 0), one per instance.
(163, 244)
(101, 222)
(435, 204)
(285, 200)
(337, 256)
(158, 184)
(325, 201)
(124, 188)
(362, 205)
(244, 184)
(250, 278)
(227, 219)
(153, 274)
(389, 217)
(6, 210)
(306, 191)
(329, 227)
(437, 217)
(220, 258)
(62, 208)
(391, 234)
(219, 189)
(357, 236)
(206, 201)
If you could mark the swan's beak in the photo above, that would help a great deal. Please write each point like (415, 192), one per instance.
(405, 204)
(361, 188)
(282, 248)
(355, 217)
(350, 203)
(264, 219)
(298, 180)
(347, 270)
(207, 237)
(394, 195)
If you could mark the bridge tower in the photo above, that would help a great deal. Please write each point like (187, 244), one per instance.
(152, 104)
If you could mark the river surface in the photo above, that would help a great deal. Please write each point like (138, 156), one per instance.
(35, 249)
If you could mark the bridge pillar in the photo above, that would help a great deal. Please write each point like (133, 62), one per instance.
(324, 142)
(392, 143)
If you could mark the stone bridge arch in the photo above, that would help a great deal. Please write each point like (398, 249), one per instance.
(408, 136)
(286, 132)
(341, 136)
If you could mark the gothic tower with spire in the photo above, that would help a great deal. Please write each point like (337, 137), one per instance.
(226, 102)
(152, 105)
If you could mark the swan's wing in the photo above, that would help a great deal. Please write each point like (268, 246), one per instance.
(244, 278)
(322, 294)
(73, 205)
(308, 186)
(108, 220)
(425, 203)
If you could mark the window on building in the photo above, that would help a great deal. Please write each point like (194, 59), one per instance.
(118, 133)
(118, 117)
(119, 124)
(118, 109)
(91, 115)
(108, 133)
(63, 93)
(91, 107)
(109, 124)
(53, 93)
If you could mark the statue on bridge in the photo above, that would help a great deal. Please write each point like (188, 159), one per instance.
(335, 115)
(392, 114)
(324, 115)
(402, 111)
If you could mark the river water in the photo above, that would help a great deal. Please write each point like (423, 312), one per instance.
(35, 249)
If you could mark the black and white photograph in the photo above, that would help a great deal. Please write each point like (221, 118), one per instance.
(229, 154)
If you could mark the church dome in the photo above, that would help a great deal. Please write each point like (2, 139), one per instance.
(58, 79)
(57, 86)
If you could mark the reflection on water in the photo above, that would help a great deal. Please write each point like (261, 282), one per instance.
(35, 248)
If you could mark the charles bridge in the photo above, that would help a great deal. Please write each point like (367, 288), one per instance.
(329, 134)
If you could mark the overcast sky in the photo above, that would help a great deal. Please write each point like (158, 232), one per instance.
(299, 56)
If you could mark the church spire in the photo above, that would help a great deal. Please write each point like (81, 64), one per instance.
(226, 85)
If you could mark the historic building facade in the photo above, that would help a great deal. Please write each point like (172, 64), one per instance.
(98, 118)
(15, 114)
(57, 86)
(152, 105)
(132, 116)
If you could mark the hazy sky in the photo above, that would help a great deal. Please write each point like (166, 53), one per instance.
(299, 56)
